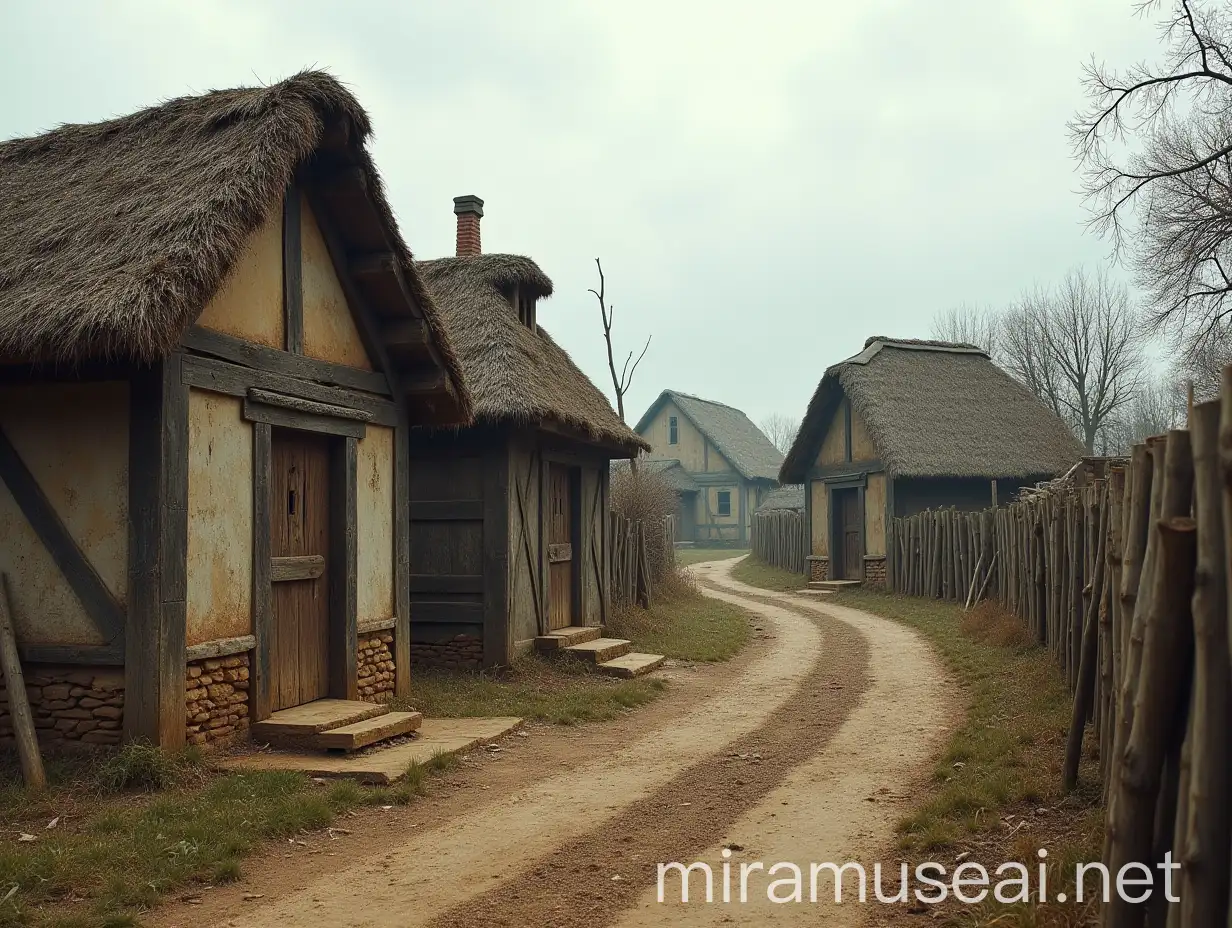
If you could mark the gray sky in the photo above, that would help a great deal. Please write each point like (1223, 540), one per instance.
(767, 184)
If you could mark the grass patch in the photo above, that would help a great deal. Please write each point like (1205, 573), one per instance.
(117, 831)
(996, 791)
(756, 572)
(562, 691)
(685, 625)
(686, 557)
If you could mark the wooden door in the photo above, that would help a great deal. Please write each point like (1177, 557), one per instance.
(299, 547)
(850, 534)
(561, 570)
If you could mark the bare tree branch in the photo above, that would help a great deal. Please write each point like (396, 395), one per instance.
(622, 381)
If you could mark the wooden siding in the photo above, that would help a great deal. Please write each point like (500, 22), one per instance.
(220, 518)
(527, 568)
(249, 305)
(375, 524)
(594, 521)
(330, 333)
(73, 439)
(875, 516)
(819, 508)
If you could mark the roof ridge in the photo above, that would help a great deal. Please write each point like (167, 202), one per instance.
(702, 399)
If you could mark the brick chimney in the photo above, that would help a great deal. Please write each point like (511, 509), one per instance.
(469, 210)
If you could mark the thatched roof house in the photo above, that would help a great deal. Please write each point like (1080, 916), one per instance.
(510, 515)
(785, 497)
(730, 464)
(907, 425)
(213, 343)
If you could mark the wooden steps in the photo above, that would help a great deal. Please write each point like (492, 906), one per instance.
(598, 650)
(834, 585)
(631, 665)
(564, 637)
(369, 731)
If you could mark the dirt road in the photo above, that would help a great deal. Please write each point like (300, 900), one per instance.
(801, 751)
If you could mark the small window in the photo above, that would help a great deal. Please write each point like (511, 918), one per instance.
(673, 434)
(725, 502)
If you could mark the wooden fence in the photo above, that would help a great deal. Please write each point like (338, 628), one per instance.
(1125, 581)
(780, 537)
(631, 573)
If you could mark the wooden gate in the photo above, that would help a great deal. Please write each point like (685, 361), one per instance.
(561, 572)
(299, 547)
(850, 534)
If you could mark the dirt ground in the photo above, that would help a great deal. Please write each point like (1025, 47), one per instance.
(801, 750)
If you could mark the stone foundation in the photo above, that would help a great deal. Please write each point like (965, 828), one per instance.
(376, 666)
(462, 652)
(819, 568)
(874, 571)
(70, 706)
(216, 698)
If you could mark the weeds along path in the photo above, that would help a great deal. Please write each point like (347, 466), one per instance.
(497, 858)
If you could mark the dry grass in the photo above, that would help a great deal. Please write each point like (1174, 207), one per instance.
(756, 572)
(683, 624)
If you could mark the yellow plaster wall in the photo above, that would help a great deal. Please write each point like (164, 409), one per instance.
(249, 304)
(330, 333)
(861, 442)
(820, 527)
(73, 439)
(220, 518)
(374, 523)
(694, 452)
(874, 515)
(834, 445)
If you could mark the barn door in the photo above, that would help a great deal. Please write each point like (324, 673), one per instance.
(299, 548)
(850, 534)
(562, 547)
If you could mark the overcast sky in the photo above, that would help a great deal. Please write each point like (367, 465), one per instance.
(767, 183)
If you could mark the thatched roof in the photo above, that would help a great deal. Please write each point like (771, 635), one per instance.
(517, 375)
(937, 409)
(790, 496)
(671, 470)
(115, 235)
(744, 445)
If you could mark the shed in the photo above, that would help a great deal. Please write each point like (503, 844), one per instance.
(785, 497)
(907, 425)
(729, 462)
(213, 343)
(509, 517)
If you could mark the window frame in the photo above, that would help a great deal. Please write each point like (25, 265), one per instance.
(673, 430)
(721, 497)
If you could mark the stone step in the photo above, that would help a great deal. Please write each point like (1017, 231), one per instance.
(633, 664)
(369, 731)
(599, 650)
(302, 723)
(563, 637)
(833, 585)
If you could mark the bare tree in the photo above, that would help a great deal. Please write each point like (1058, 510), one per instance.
(965, 322)
(1155, 145)
(1158, 405)
(621, 382)
(1078, 347)
(781, 430)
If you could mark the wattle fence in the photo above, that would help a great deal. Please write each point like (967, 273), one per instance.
(631, 571)
(1120, 569)
(780, 537)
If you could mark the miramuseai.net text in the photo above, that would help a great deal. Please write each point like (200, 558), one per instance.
(785, 882)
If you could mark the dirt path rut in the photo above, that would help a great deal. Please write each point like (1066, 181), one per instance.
(838, 708)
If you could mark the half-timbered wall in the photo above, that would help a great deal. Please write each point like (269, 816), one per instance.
(65, 448)
(374, 525)
(249, 305)
(330, 333)
(220, 518)
(875, 516)
(819, 521)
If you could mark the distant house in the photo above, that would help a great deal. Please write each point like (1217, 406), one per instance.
(910, 425)
(785, 497)
(720, 462)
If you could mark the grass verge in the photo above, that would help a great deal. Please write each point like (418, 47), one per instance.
(685, 625)
(115, 833)
(756, 572)
(686, 557)
(995, 795)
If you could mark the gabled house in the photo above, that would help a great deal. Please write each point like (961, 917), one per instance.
(509, 517)
(725, 464)
(213, 344)
(908, 425)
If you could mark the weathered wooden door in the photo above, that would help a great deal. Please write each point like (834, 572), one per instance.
(299, 547)
(850, 534)
(561, 571)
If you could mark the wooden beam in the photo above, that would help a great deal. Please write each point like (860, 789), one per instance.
(447, 510)
(234, 380)
(18, 701)
(344, 571)
(100, 605)
(157, 555)
(239, 351)
(375, 264)
(220, 647)
(107, 655)
(494, 613)
(299, 404)
(447, 583)
(292, 272)
(405, 334)
(402, 556)
(262, 591)
(432, 612)
(284, 417)
(425, 380)
(300, 567)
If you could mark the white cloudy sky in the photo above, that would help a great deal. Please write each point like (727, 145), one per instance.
(767, 183)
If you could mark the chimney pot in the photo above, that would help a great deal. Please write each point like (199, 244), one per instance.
(469, 210)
